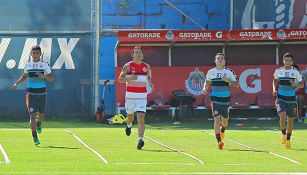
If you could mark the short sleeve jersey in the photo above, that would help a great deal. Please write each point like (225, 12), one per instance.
(36, 86)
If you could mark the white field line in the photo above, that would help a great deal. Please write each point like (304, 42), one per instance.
(6, 158)
(268, 152)
(21, 129)
(86, 146)
(162, 173)
(148, 163)
(173, 149)
(275, 132)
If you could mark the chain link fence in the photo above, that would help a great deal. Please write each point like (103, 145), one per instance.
(165, 14)
(66, 32)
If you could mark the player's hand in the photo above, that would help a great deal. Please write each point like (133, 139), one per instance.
(224, 78)
(152, 86)
(15, 86)
(132, 77)
(293, 83)
(40, 75)
(205, 92)
(275, 94)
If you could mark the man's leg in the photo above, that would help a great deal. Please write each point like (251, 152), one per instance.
(130, 109)
(282, 125)
(129, 121)
(290, 124)
(39, 120)
(281, 110)
(216, 109)
(33, 117)
(217, 124)
(224, 125)
(42, 100)
(32, 109)
(141, 129)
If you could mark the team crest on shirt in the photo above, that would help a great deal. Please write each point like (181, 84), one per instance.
(195, 82)
(144, 69)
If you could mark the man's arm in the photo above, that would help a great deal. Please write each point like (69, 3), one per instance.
(123, 78)
(20, 80)
(48, 77)
(275, 85)
(149, 78)
(206, 87)
(298, 79)
(297, 85)
(233, 82)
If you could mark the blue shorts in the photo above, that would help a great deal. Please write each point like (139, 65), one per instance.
(219, 109)
(289, 108)
(36, 103)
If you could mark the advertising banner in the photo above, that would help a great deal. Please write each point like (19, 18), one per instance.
(161, 36)
(70, 58)
(172, 35)
(252, 79)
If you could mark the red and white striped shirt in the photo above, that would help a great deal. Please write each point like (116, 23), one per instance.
(136, 89)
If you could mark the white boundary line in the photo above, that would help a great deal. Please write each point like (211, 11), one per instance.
(154, 173)
(6, 158)
(173, 149)
(86, 146)
(249, 147)
(148, 163)
(275, 132)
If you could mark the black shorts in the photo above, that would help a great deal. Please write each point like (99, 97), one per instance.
(289, 108)
(219, 109)
(36, 103)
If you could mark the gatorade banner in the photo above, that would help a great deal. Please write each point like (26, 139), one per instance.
(208, 35)
(252, 79)
(172, 35)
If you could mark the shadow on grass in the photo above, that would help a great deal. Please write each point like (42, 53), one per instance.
(13, 125)
(57, 147)
(157, 150)
(295, 149)
(244, 150)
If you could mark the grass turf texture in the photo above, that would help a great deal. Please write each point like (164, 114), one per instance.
(61, 153)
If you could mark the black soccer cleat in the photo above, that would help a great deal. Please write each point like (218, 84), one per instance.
(128, 131)
(140, 144)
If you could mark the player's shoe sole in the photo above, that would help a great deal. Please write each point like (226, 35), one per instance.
(283, 139)
(288, 144)
(128, 131)
(140, 144)
(220, 145)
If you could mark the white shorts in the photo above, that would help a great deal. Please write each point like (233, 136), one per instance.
(135, 105)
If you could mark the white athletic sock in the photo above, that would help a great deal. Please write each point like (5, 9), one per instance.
(140, 138)
(129, 125)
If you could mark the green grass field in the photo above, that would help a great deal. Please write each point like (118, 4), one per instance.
(61, 153)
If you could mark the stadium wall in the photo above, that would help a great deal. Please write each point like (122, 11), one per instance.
(65, 30)
(269, 14)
